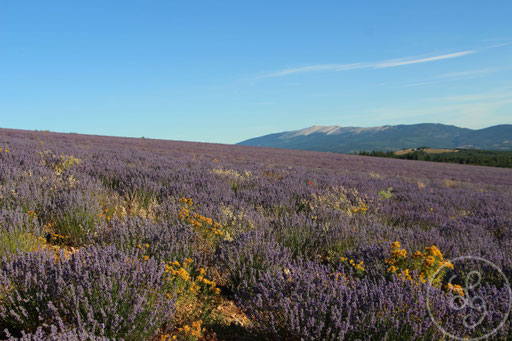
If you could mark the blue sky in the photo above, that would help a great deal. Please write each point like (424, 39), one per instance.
(226, 71)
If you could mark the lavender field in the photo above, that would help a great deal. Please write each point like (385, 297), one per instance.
(135, 239)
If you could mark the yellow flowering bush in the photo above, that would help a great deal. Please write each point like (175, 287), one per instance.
(357, 266)
(342, 199)
(196, 298)
(57, 239)
(59, 163)
(209, 230)
(454, 289)
(194, 331)
(425, 264)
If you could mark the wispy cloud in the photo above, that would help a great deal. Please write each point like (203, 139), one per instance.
(318, 67)
(373, 65)
(494, 46)
(455, 76)
(468, 73)
(496, 96)
(408, 61)
(497, 42)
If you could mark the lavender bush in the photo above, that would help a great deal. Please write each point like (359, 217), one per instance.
(99, 290)
(308, 301)
(19, 232)
(244, 260)
(55, 335)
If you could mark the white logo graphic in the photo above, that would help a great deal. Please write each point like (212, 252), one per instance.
(468, 311)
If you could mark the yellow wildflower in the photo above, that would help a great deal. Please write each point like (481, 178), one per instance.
(392, 269)
(182, 273)
(429, 261)
(455, 288)
(434, 251)
(417, 255)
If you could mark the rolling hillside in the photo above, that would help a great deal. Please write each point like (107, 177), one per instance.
(388, 138)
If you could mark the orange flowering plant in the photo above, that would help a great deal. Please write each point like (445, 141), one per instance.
(196, 298)
(419, 266)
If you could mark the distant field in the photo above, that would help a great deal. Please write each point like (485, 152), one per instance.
(140, 239)
(427, 150)
(492, 158)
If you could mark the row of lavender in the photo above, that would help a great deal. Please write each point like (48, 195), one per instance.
(114, 238)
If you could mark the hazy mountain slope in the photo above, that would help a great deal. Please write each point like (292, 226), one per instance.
(353, 139)
(497, 137)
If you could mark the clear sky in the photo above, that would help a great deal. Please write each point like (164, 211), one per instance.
(226, 71)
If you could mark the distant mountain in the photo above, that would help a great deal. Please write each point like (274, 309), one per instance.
(387, 138)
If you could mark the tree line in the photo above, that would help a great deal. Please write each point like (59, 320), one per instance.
(491, 158)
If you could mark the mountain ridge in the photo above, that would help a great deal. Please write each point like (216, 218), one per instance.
(387, 138)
